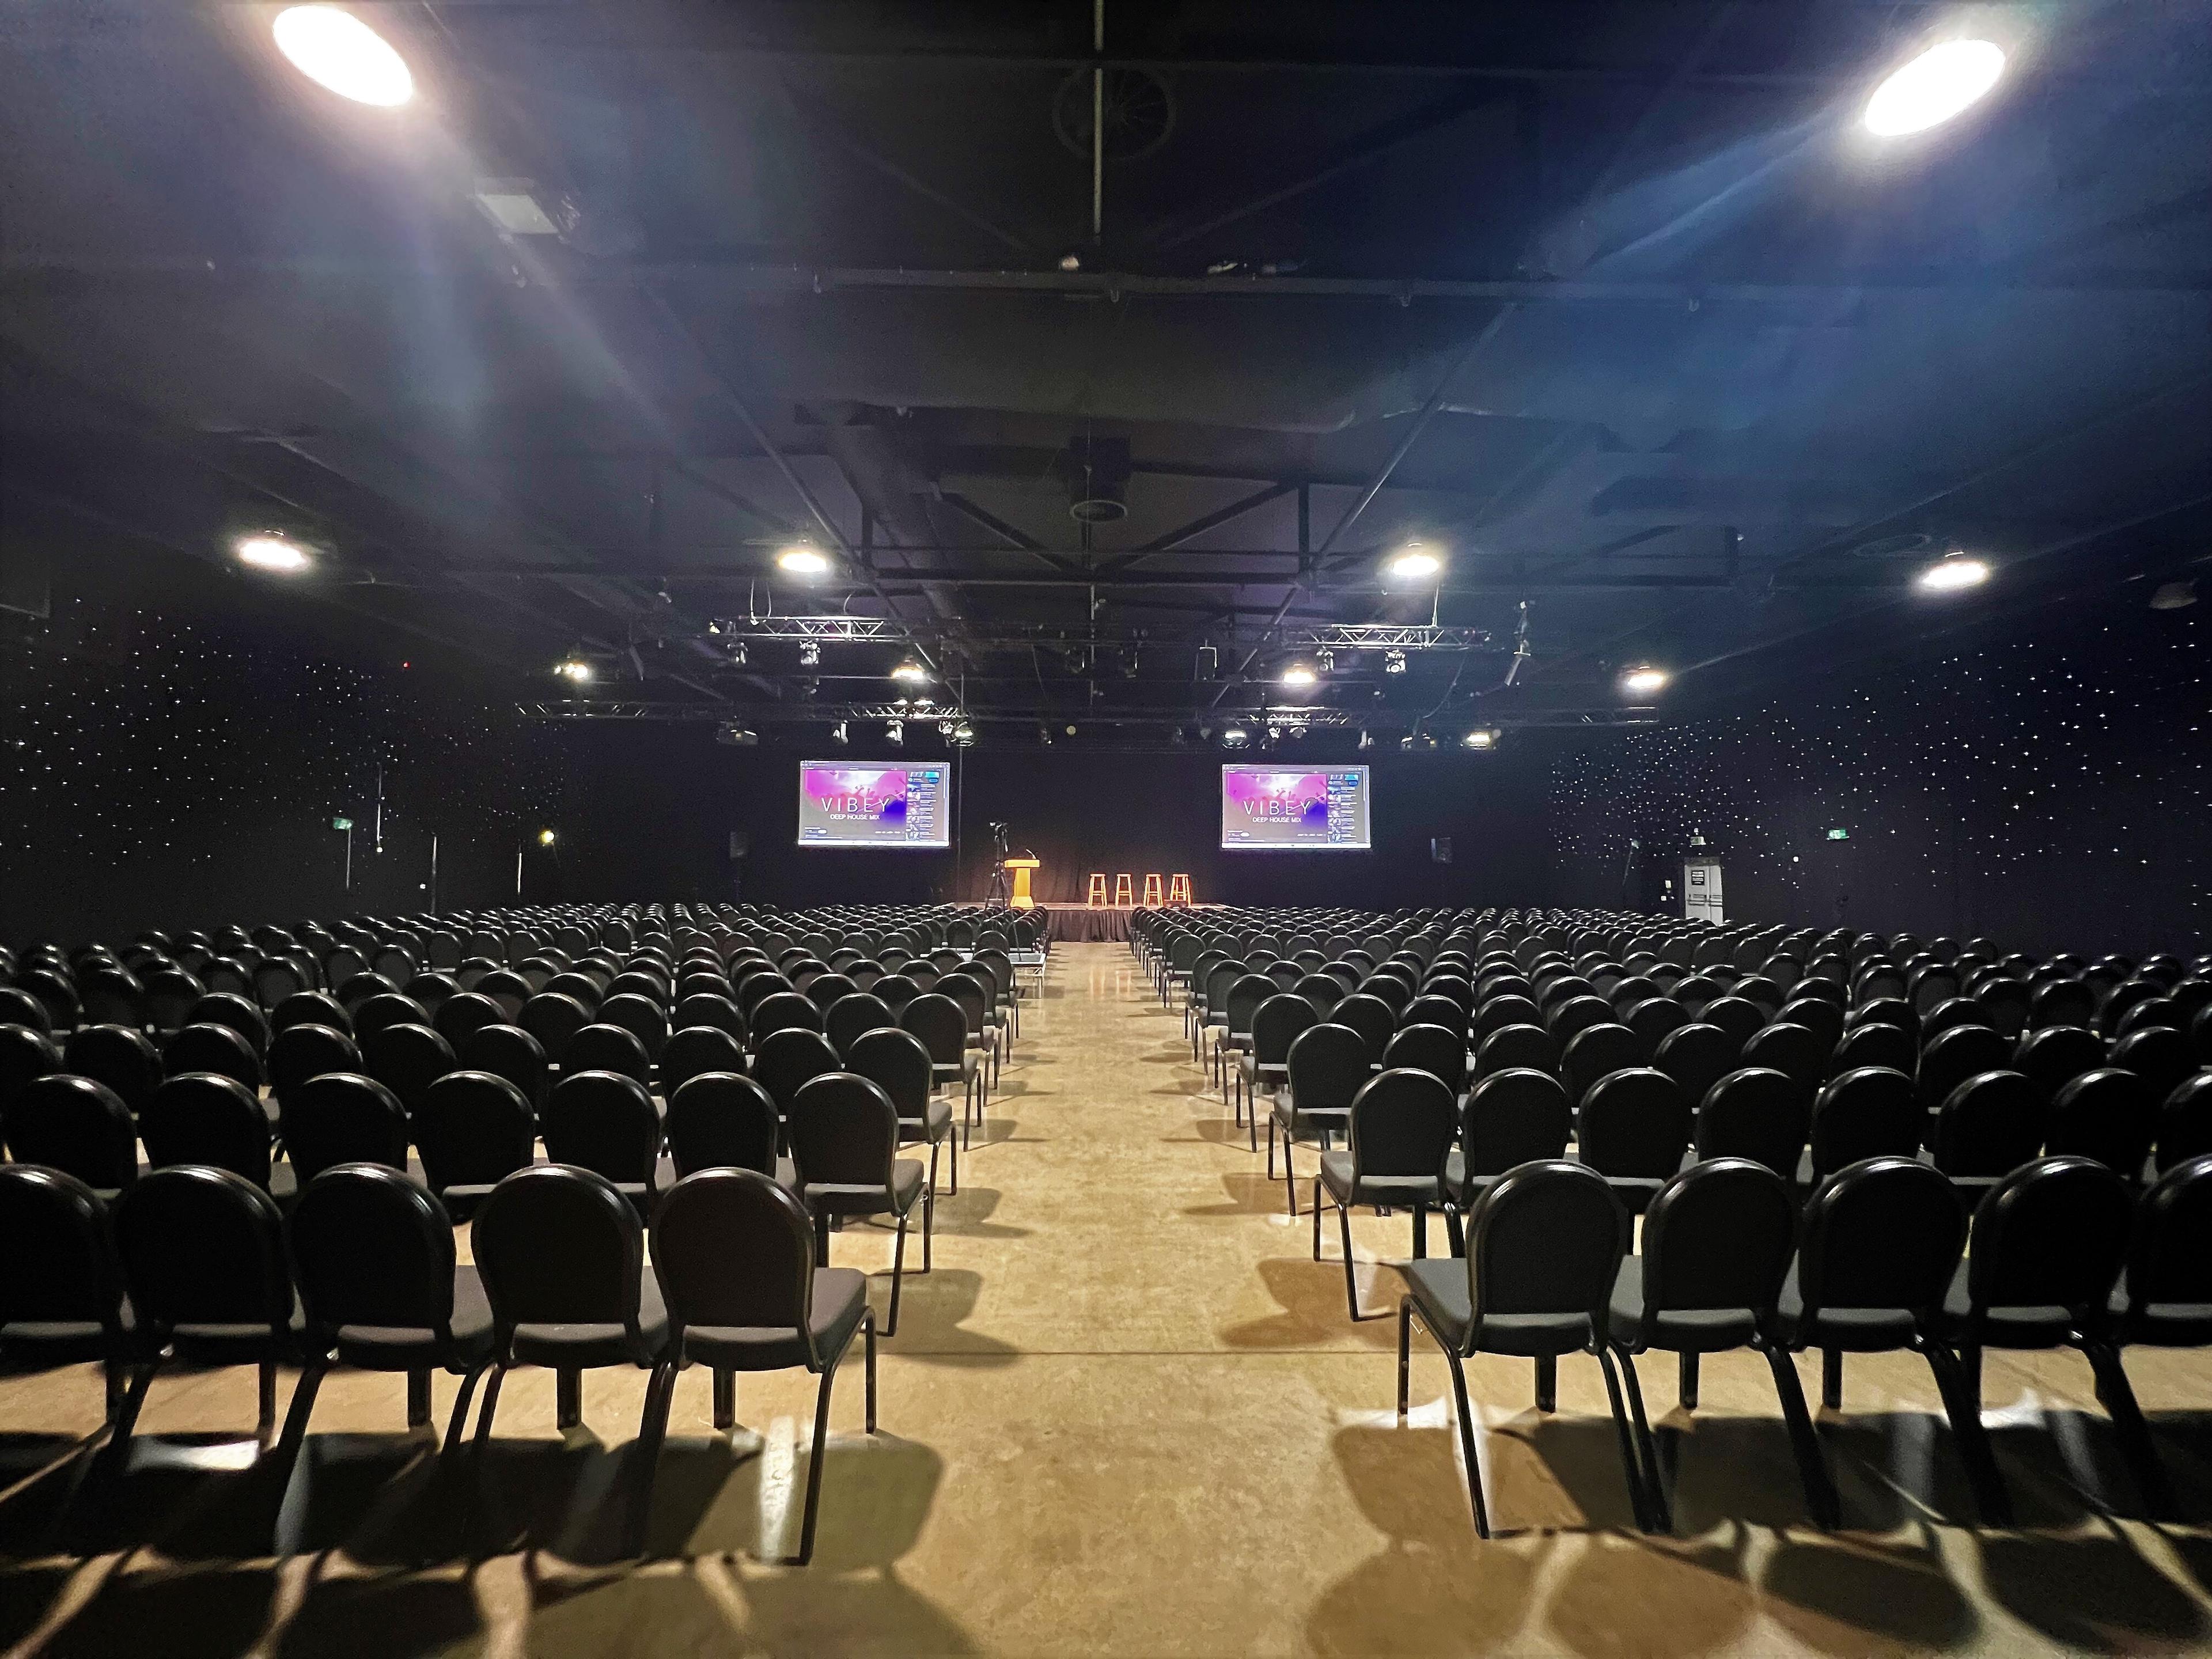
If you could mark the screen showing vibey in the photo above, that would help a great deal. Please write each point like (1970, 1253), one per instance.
(1294, 809)
(844, 805)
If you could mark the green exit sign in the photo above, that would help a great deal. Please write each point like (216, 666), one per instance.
(1839, 834)
(347, 824)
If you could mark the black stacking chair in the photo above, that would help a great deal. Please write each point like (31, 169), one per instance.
(1401, 1126)
(788, 1060)
(782, 1011)
(1439, 1050)
(1656, 1018)
(898, 1063)
(343, 1117)
(1741, 1018)
(1264, 1063)
(1434, 1009)
(731, 1251)
(382, 1009)
(1890, 1047)
(1516, 1049)
(1879, 1241)
(1510, 1118)
(76, 1126)
(1372, 1017)
(722, 1119)
(26, 1054)
(707, 1008)
(895, 990)
(407, 1060)
(381, 1291)
(2159, 1054)
(2185, 1122)
(1870, 1111)
(606, 1047)
(1989, 1125)
(1598, 1051)
(299, 1053)
(561, 1254)
(2164, 1296)
(2048, 1243)
(204, 1262)
(554, 1017)
(458, 1016)
(507, 1051)
(1633, 1129)
(852, 1016)
(1326, 1066)
(217, 1048)
(943, 1028)
(605, 1122)
(200, 1117)
(2107, 1115)
(1239, 1009)
(1800, 1043)
(117, 1056)
(2052, 1057)
(1697, 1057)
(473, 1129)
(1717, 1241)
(1950, 1057)
(239, 1013)
(695, 1050)
(61, 1297)
(844, 1139)
(1544, 1247)
(642, 1016)
(1756, 1115)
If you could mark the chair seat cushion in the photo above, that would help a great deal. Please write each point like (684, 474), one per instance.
(1679, 1330)
(2160, 1324)
(1307, 1124)
(588, 1345)
(38, 1344)
(1854, 1330)
(1389, 1192)
(843, 1198)
(934, 1124)
(227, 1344)
(840, 1297)
(400, 1348)
(1439, 1292)
(2001, 1328)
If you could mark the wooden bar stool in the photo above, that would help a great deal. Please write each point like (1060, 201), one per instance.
(1178, 890)
(1123, 892)
(1153, 898)
(1097, 898)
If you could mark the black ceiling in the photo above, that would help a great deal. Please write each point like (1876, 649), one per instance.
(1613, 303)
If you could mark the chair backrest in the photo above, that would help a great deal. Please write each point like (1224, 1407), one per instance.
(1245, 997)
(1884, 1232)
(2159, 1054)
(898, 1063)
(1431, 1009)
(1951, 1056)
(559, 1246)
(211, 1048)
(1514, 1117)
(783, 1010)
(370, 1247)
(55, 1238)
(603, 1122)
(1276, 1023)
(852, 1016)
(199, 1117)
(940, 1025)
(1370, 1016)
(734, 1251)
(298, 1052)
(1634, 1124)
(116, 1055)
(2053, 1233)
(602, 1047)
(2185, 1122)
(1719, 1234)
(1545, 1237)
(1864, 1113)
(1739, 1016)
(1439, 1050)
(507, 1051)
(1756, 1114)
(2170, 1256)
(472, 1128)
(1876, 1044)
(641, 1015)
(2050, 1057)
(407, 1060)
(203, 1246)
(721, 1118)
(1517, 1047)
(1655, 1018)
(1403, 1123)
(238, 1014)
(462, 1013)
(554, 1017)
(786, 1061)
(1800, 1051)
(1598, 1051)
(1990, 1124)
(1697, 1057)
(844, 1132)
(694, 1051)
(1327, 1065)
(343, 1117)
(2107, 1115)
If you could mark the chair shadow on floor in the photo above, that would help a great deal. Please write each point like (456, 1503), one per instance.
(192, 1612)
(932, 1313)
(1311, 1296)
(1251, 1193)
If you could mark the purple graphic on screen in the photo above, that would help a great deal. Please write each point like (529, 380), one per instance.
(841, 805)
(1279, 798)
(1293, 808)
(853, 794)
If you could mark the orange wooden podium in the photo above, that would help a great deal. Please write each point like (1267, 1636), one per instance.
(1021, 868)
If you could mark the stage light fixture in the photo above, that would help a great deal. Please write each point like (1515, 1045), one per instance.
(1325, 659)
(574, 668)
(1644, 681)
(964, 734)
(1235, 737)
(1414, 562)
(910, 672)
(1481, 738)
(803, 559)
(894, 731)
(1299, 673)
(1393, 662)
(1366, 739)
(271, 552)
(1942, 83)
(337, 51)
(837, 734)
(737, 653)
(546, 838)
(944, 728)
(810, 655)
(1953, 573)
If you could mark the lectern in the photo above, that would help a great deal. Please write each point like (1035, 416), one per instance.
(1021, 868)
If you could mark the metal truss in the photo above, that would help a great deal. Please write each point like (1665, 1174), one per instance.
(855, 630)
(1384, 636)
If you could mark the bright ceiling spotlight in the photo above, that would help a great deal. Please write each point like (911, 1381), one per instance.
(1942, 83)
(810, 655)
(337, 50)
(1235, 737)
(1953, 573)
(1299, 673)
(573, 668)
(266, 552)
(1366, 739)
(1481, 738)
(837, 734)
(1393, 662)
(1644, 681)
(964, 734)
(546, 838)
(1414, 562)
(910, 672)
(803, 559)
(895, 731)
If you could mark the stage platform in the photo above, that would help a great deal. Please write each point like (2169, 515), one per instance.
(1077, 923)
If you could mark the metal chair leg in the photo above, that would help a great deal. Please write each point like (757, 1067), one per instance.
(652, 1430)
(1467, 1438)
(2134, 1434)
(303, 1406)
(1630, 1468)
(928, 1225)
(1317, 1218)
(868, 1328)
(1350, 1272)
(1404, 1353)
(1990, 1494)
(1655, 1480)
(898, 1272)
(418, 1398)
(460, 1419)
(568, 1397)
(1421, 1233)
(814, 1469)
(1686, 1379)
(1812, 1467)
(1547, 1383)
(265, 1424)
(1832, 1378)
(726, 1398)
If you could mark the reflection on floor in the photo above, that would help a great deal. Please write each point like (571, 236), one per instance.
(1126, 1415)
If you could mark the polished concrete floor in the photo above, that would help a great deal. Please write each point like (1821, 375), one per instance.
(1126, 1414)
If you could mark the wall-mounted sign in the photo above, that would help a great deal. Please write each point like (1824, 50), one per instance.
(341, 823)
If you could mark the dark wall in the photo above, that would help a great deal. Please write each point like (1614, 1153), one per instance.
(2049, 792)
